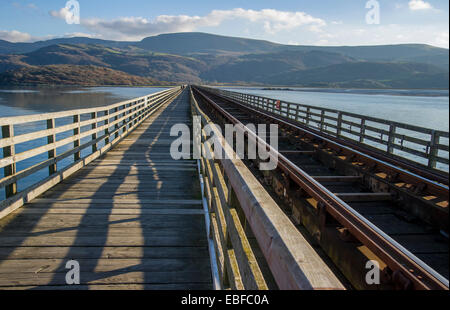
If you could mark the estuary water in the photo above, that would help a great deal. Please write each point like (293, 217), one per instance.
(424, 108)
(20, 101)
(23, 101)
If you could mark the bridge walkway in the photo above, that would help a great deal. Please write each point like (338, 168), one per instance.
(132, 219)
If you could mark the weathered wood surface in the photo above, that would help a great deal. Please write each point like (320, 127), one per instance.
(133, 219)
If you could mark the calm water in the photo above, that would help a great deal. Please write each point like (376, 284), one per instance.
(425, 108)
(41, 100)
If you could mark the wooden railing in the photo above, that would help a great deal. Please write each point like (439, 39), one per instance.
(425, 146)
(256, 245)
(84, 134)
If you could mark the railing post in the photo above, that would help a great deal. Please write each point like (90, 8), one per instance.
(322, 119)
(391, 139)
(116, 126)
(51, 139)
(297, 109)
(362, 131)
(308, 115)
(94, 135)
(76, 132)
(433, 149)
(107, 128)
(8, 132)
(339, 125)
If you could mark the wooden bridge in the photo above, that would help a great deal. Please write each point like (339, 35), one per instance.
(100, 188)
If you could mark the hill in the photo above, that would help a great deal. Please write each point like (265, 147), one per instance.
(71, 75)
(199, 57)
(366, 75)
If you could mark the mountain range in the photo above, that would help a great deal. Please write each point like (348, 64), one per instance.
(207, 58)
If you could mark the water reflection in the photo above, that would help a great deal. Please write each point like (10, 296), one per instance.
(20, 101)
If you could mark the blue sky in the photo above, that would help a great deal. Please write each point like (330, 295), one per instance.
(323, 22)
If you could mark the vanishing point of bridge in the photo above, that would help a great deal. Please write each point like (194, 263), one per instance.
(98, 188)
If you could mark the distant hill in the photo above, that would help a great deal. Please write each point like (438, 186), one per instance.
(366, 75)
(71, 75)
(200, 57)
(196, 42)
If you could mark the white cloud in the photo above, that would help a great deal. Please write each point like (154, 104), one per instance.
(15, 36)
(135, 28)
(416, 5)
(62, 13)
(441, 39)
(378, 35)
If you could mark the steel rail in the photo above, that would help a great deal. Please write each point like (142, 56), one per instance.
(388, 250)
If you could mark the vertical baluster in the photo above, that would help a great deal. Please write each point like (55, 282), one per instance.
(391, 139)
(433, 149)
(94, 135)
(322, 119)
(339, 125)
(308, 115)
(362, 131)
(297, 110)
(116, 126)
(51, 139)
(107, 128)
(8, 132)
(76, 132)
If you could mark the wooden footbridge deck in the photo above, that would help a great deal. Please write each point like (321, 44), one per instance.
(133, 218)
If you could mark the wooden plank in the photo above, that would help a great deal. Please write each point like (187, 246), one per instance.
(134, 277)
(113, 211)
(142, 252)
(15, 266)
(118, 200)
(175, 240)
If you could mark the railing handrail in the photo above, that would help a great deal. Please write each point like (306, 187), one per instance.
(21, 119)
(118, 120)
(406, 126)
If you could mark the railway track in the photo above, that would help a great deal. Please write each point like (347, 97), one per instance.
(355, 206)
